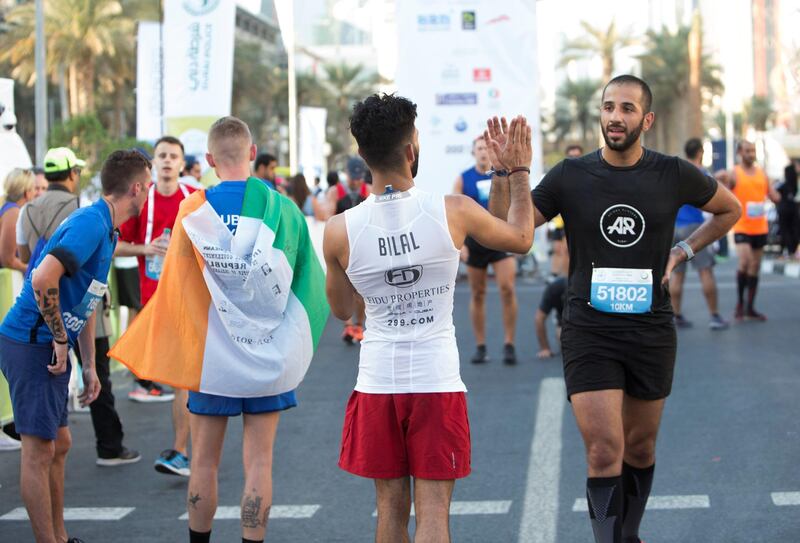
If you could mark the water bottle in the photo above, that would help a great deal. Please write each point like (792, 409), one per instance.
(154, 264)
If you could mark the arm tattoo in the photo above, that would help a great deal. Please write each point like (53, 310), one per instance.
(193, 499)
(50, 308)
(252, 517)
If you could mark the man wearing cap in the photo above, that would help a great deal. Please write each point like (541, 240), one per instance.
(40, 217)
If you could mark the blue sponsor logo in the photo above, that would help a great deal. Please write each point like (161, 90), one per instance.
(433, 22)
(457, 99)
(461, 125)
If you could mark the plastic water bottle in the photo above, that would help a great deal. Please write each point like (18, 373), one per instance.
(154, 264)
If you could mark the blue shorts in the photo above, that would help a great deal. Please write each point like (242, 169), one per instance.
(201, 403)
(39, 398)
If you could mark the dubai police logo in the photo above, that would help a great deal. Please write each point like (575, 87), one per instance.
(622, 225)
(200, 7)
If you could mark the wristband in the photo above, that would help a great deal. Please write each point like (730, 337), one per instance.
(498, 173)
(60, 342)
(686, 249)
(520, 169)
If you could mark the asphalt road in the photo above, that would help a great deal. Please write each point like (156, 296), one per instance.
(726, 468)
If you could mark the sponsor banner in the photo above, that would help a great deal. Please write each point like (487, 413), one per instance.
(485, 65)
(198, 70)
(148, 82)
(7, 94)
(312, 141)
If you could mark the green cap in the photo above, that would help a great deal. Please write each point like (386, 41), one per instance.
(60, 159)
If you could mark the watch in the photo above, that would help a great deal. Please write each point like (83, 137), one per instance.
(686, 249)
(498, 173)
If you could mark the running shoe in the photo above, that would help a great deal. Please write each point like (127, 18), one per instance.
(74, 540)
(347, 334)
(718, 323)
(152, 394)
(681, 322)
(753, 315)
(509, 356)
(739, 313)
(172, 462)
(8, 443)
(126, 456)
(480, 356)
(357, 332)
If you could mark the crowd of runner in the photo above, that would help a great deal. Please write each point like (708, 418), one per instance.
(623, 224)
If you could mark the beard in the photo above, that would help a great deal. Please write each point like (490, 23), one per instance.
(415, 164)
(627, 143)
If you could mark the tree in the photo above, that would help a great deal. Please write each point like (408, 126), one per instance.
(666, 68)
(597, 41)
(577, 106)
(759, 112)
(81, 36)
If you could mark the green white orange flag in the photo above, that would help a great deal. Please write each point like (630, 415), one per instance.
(234, 315)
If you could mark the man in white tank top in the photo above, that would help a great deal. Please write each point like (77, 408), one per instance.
(399, 250)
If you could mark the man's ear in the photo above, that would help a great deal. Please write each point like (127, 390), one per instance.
(410, 155)
(253, 152)
(649, 119)
(210, 160)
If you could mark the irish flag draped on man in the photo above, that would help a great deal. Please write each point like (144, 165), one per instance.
(236, 315)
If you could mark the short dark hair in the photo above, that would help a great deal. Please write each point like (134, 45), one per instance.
(627, 79)
(741, 143)
(57, 177)
(693, 147)
(332, 178)
(573, 147)
(382, 125)
(170, 139)
(121, 169)
(264, 159)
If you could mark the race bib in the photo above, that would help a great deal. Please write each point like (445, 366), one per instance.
(755, 210)
(75, 319)
(622, 290)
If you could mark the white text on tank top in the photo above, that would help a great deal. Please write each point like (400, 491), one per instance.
(404, 264)
(151, 205)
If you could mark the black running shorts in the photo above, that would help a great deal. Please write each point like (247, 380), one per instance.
(128, 288)
(639, 361)
(480, 256)
(756, 242)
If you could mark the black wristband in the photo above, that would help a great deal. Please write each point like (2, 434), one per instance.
(520, 169)
(60, 342)
(498, 173)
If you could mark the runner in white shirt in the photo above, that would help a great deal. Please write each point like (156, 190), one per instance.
(399, 250)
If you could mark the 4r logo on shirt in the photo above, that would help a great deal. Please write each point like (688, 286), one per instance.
(403, 277)
(622, 225)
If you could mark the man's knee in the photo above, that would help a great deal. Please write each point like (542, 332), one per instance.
(62, 444)
(603, 454)
(37, 452)
(640, 449)
(507, 291)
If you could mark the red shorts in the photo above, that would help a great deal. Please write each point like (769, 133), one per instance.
(386, 436)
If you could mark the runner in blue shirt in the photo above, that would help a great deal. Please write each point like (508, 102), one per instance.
(56, 311)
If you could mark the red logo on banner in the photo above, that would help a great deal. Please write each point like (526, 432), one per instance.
(482, 75)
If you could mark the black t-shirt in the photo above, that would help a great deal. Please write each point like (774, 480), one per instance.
(347, 201)
(619, 218)
(553, 297)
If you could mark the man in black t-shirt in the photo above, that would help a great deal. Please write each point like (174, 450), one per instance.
(618, 340)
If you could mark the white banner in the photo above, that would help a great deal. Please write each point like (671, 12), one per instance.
(312, 141)
(461, 62)
(198, 69)
(7, 94)
(148, 82)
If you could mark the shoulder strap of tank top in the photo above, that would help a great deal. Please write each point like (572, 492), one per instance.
(151, 206)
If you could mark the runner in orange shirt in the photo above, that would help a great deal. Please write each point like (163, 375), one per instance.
(752, 187)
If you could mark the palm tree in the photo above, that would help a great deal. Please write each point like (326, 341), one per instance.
(597, 41)
(577, 105)
(666, 68)
(80, 35)
(346, 85)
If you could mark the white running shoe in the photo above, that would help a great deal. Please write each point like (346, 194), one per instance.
(8, 443)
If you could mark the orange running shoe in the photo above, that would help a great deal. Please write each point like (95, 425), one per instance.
(347, 334)
(357, 332)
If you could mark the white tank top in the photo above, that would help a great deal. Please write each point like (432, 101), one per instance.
(404, 264)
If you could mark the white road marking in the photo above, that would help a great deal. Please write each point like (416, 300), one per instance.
(540, 509)
(78, 513)
(276, 512)
(486, 507)
(699, 501)
(786, 498)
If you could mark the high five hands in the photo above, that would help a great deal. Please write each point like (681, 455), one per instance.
(509, 145)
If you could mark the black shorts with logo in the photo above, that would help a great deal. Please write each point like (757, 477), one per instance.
(756, 242)
(638, 360)
(480, 256)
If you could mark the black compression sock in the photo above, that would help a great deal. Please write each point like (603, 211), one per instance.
(751, 296)
(637, 484)
(741, 285)
(199, 537)
(245, 540)
(604, 495)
